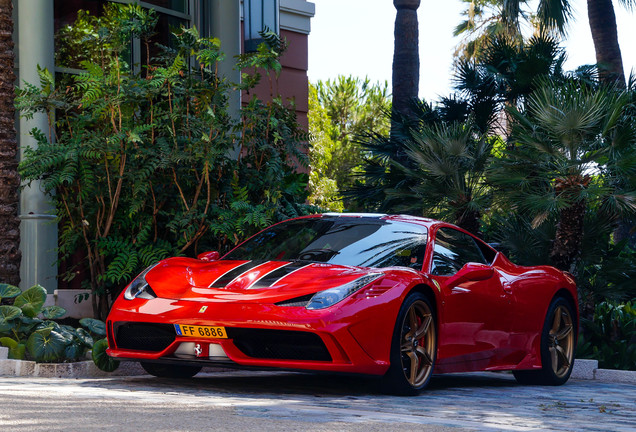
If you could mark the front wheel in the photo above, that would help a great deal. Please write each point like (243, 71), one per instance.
(170, 370)
(413, 347)
(558, 341)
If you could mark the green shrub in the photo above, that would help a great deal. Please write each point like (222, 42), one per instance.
(28, 330)
(610, 336)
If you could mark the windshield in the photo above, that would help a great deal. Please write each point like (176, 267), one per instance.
(365, 242)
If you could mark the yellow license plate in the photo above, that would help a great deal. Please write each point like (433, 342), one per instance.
(206, 332)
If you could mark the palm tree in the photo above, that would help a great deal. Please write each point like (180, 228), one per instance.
(605, 36)
(446, 163)
(570, 148)
(406, 60)
(487, 18)
(438, 168)
(9, 181)
(485, 21)
(509, 69)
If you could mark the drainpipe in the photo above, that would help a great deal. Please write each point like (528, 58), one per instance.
(37, 222)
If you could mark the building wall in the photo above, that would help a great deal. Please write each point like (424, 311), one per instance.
(293, 83)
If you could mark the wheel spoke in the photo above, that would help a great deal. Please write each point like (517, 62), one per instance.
(557, 320)
(414, 366)
(563, 356)
(426, 358)
(564, 333)
(423, 329)
(554, 358)
(412, 320)
(406, 346)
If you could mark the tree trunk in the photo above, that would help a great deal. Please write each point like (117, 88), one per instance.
(9, 180)
(608, 52)
(567, 243)
(406, 59)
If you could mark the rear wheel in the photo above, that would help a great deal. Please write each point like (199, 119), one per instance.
(413, 348)
(170, 370)
(558, 341)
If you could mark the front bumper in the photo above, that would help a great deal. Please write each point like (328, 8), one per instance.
(352, 338)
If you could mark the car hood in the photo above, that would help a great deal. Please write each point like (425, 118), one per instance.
(246, 281)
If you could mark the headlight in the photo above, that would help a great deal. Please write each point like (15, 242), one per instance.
(139, 288)
(329, 297)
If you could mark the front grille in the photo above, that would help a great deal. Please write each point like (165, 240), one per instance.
(279, 344)
(143, 336)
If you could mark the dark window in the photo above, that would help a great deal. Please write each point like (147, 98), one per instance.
(488, 252)
(258, 15)
(452, 250)
(366, 242)
(175, 5)
(70, 50)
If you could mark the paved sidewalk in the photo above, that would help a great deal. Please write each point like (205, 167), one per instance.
(277, 401)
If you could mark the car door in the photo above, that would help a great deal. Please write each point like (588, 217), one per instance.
(475, 316)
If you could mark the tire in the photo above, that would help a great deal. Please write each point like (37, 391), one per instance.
(170, 370)
(558, 344)
(412, 358)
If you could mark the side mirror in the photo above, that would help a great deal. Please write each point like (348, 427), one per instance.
(209, 256)
(471, 272)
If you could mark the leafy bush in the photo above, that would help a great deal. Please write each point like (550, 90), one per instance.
(147, 162)
(28, 330)
(610, 336)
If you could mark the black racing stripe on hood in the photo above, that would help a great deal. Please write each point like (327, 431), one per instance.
(237, 271)
(273, 277)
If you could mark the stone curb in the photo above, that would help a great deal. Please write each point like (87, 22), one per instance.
(81, 369)
(588, 370)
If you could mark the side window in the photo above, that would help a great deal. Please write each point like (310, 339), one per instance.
(488, 252)
(452, 250)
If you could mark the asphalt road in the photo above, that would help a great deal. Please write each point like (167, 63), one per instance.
(285, 401)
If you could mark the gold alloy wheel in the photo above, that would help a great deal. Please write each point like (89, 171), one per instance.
(561, 341)
(417, 347)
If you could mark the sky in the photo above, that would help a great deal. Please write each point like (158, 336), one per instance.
(355, 37)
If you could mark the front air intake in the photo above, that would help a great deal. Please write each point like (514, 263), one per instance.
(279, 344)
(151, 337)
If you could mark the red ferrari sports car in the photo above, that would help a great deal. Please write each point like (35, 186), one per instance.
(399, 297)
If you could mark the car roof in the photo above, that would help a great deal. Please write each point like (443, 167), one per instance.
(398, 218)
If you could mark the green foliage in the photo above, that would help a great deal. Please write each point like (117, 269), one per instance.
(610, 336)
(31, 301)
(568, 143)
(101, 359)
(8, 291)
(53, 312)
(95, 326)
(42, 339)
(486, 20)
(339, 112)
(147, 162)
(432, 164)
(47, 345)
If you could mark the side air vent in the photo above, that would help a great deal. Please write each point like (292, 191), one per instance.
(297, 301)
